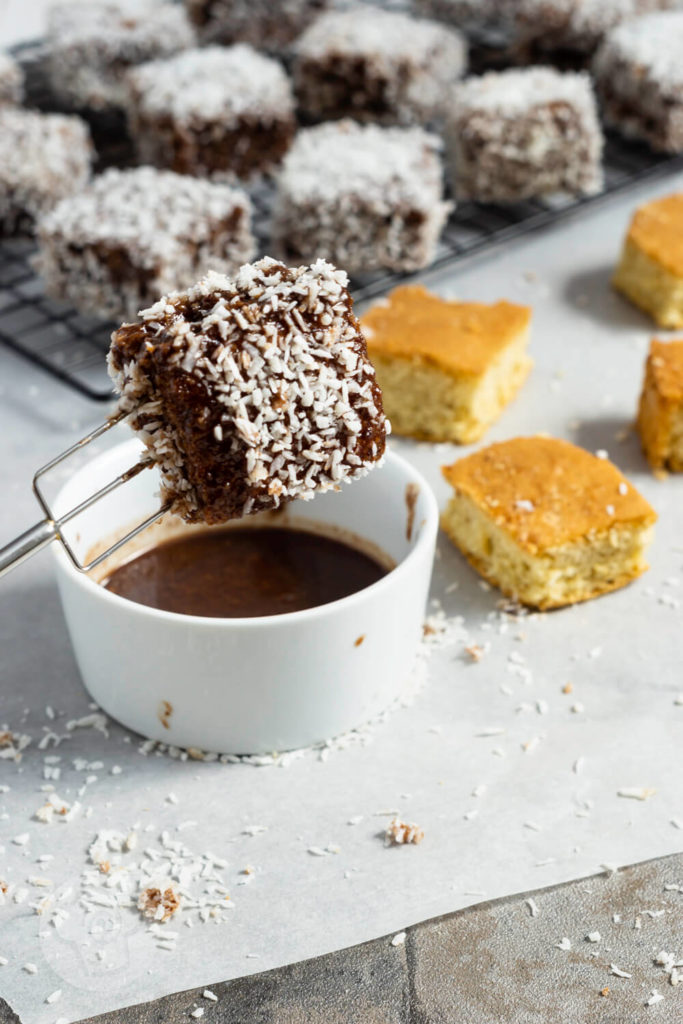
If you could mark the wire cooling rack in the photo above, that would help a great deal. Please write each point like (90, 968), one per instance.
(72, 347)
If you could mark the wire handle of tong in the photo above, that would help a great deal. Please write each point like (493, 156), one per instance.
(50, 528)
(29, 543)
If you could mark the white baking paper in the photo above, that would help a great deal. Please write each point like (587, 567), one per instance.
(514, 780)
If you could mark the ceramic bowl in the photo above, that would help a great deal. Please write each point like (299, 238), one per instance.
(252, 685)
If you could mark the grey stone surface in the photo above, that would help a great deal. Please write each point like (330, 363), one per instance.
(496, 963)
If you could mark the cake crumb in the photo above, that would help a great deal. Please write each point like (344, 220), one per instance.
(158, 905)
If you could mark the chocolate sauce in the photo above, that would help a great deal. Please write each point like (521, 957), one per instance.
(243, 572)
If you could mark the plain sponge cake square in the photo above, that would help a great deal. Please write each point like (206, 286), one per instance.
(660, 414)
(547, 522)
(446, 369)
(650, 271)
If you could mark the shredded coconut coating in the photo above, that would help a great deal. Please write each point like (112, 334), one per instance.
(91, 45)
(263, 23)
(11, 80)
(639, 78)
(43, 157)
(376, 65)
(577, 24)
(186, 110)
(252, 391)
(133, 235)
(362, 196)
(524, 132)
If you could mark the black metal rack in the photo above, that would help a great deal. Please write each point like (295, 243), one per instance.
(72, 347)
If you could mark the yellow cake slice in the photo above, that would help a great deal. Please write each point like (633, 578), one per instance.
(660, 414)
(650, 272)
(547, 522)
(446, 369)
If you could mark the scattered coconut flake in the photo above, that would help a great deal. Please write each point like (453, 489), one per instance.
(399, 939)
(54, 997)
(618, 973)
(21, 840)
(30, 968)
(564, 944)
(594, 937)
(654, 998)
(199, 1012)
(533, 907)
(208, 994)
(636, 792)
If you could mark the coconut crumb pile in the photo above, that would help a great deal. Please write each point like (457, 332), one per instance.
(401, 833)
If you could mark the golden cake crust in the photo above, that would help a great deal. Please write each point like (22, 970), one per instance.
(545, 492)
(657, 229)
(460, 338)
(660, 410)
(665, 361)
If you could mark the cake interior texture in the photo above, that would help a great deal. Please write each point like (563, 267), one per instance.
(446, 369)
(547, 523)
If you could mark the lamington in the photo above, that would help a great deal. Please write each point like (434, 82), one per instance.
(262, 23)
(575, 26)
(218, 110)
(91, 45)
(43, 157)
(547, 522)
(639, 79)
(446, 369)
(521, 133)
(362, 196)
(134, 235)
(650, 271)
(11, 79)
(376, 65)
(251, 391)
(660, 413)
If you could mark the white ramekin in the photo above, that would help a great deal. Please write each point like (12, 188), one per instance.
(252, 685)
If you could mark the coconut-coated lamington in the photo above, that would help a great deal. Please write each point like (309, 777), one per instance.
(217, 110)
(650, 270)
(375, 65)
(547, 522)
(446, 369)
(575, 26)
(133, 235)
(91, 45)
(660, 413)
(361, 196)
(43, 157)
(262, 23)
(11, 79)
(639, 79)
(251, 391)
(516, 134)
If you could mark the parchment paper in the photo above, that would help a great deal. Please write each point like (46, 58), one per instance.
(552, 762)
